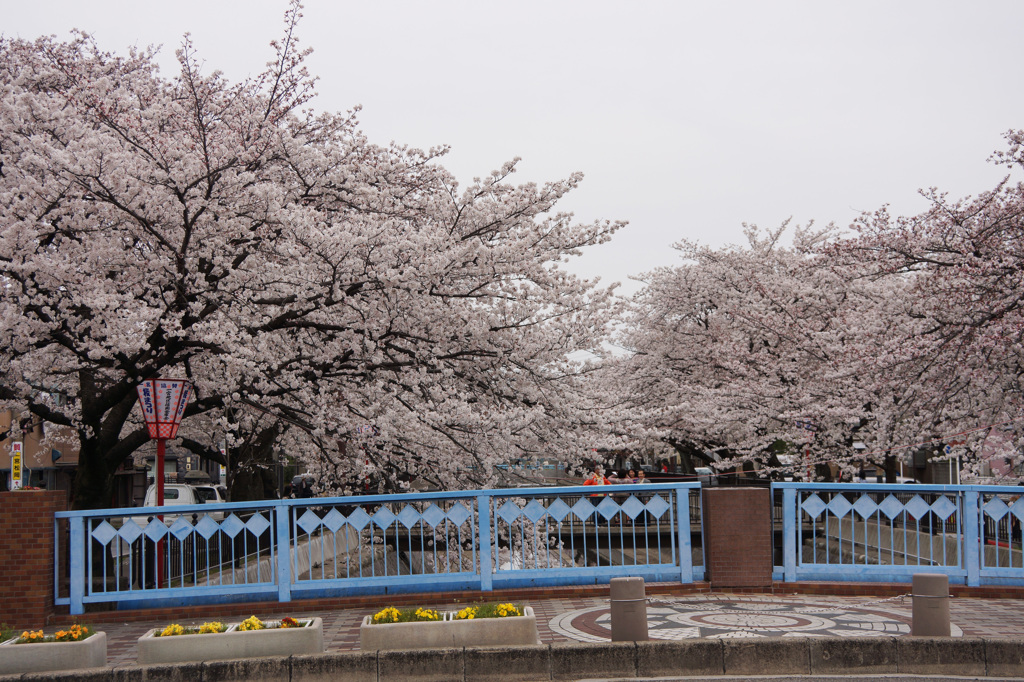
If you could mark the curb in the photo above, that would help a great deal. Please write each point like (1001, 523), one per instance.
(797, 656)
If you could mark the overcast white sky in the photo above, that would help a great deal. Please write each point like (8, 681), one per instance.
(687, 118)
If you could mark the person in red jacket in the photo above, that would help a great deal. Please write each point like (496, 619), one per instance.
(597, 478)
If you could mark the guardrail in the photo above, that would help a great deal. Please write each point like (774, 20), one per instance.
(374, 544)
(878, 532)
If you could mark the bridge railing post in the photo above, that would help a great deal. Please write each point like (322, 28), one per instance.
(77, 562)
(282, 516)
(971, 521)
(683, 532)
(789, 530)
(484, 520)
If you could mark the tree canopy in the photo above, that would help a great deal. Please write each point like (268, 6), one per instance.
(352, 305)
(901, 333)
(344, 300)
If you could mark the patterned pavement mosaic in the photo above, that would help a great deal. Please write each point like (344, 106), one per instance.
(717, 618)
(716, 615)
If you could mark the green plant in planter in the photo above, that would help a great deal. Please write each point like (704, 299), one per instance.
(253, 623)
(420, 615)
(6, 632)
(75, 633)
(489, 611)
(204, 629)
(393, 615)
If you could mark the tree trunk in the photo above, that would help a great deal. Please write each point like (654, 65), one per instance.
(93, 486)
(891, 465)
(254, 467)
(687, 454)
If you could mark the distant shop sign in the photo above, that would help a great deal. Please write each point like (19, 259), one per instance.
(15, 466)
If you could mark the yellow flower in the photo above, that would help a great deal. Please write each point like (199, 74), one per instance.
(387, 615)
(426, 614)
(172, 630)
(467, 613)
(73, 634)
(251, 623)
(212, 627)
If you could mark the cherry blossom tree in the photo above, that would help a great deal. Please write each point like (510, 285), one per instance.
(902, 335)
(751, 353)
(738, 346)
(345, 301)
(958, 358)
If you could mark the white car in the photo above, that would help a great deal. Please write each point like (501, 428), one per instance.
(706, 476)
(209, 493)
(212, 494)
(174, 494)
(180, 493)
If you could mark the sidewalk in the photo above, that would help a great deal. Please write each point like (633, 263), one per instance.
(709, 615)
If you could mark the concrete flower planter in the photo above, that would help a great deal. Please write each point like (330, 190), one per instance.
(32, 658)
(232, 644)
(514, 631)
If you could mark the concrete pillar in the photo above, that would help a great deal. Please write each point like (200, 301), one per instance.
(629, 610)
(931, 605)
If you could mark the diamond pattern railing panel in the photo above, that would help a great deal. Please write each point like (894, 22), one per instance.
(433, 541)
(334, 520)
(813, 505)
(558, 510)
(891, 507)
(104, 533)
(458, 514)
(416, 540)
(583, 509)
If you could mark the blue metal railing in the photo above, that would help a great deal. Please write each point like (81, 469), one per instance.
(878, 532)
(475, 540)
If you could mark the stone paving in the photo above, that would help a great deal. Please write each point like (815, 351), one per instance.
(715, 615)
(723, 617)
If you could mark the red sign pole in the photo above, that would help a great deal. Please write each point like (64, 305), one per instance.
(160, 455)
(163, 405)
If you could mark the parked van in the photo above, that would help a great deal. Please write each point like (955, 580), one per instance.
(181, 493)
(174, 494)
(211, 494)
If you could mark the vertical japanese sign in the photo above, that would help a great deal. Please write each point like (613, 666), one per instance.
(163, 403)
(148, 403)
(15, 466)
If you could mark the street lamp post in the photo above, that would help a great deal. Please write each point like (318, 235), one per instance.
(163, 404)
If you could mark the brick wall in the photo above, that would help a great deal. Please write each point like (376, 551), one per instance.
(738, 537)
(26, 556)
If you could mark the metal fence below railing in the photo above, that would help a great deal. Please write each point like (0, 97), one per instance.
(878, 532)
(375, 544)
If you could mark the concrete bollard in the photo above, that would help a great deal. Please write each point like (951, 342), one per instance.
(931, 605)
(629, 610)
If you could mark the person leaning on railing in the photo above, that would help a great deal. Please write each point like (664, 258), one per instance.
(597, 478)
(641, 477)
